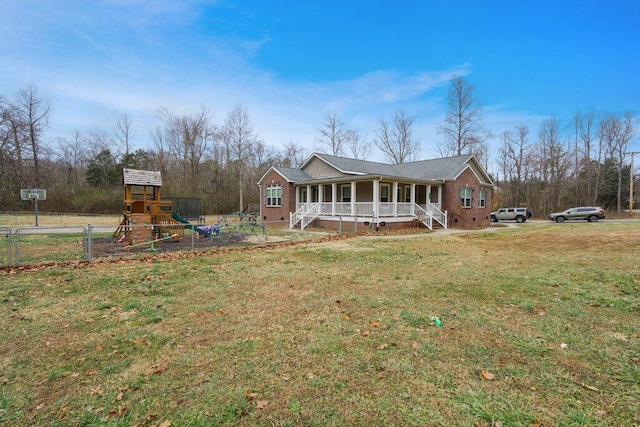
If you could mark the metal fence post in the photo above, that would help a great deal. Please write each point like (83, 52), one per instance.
(17, 244)
(10, 239)
(89, 254)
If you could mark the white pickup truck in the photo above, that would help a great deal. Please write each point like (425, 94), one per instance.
(511, 214)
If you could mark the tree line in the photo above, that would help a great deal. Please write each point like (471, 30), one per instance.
(584, 162)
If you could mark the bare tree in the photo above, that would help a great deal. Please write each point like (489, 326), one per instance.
(186, 139)
(98, 140)
(9, 156)
(293, 155)
(240, 140)
(553, 161)
(462, 127)
(396, 140)
(588, 155)
(616, 133)
(263, 156)
(124, 132)
(357, 146)
(161, 150)
(482, 152)
(74, 156)
(514, 161)
(506, 156)
(333, 135)
(33, 115)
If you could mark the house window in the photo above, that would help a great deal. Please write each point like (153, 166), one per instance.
(346, 193)
(465, 197)
(482, 198)
(303, 195)
(385, 190)
(407, 194)
(274, 195)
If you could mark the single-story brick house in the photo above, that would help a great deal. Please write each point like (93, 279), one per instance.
(339, 192)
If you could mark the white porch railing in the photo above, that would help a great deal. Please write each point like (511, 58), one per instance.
(343, 208)
(405, 209)
(364, 209)
(307, 212)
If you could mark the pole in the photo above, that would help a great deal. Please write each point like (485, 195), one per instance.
(631, 184)
(89, 254)
(35, 204)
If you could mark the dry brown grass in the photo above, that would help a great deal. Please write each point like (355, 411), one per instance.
(25, 219)
(336, 333)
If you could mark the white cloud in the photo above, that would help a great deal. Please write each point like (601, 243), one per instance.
(114, 60)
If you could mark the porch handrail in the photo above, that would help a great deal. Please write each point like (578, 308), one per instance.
(430, 212)
(310, 215)
(308, 209)
(424, 216)
(296, 216)
(437, 214)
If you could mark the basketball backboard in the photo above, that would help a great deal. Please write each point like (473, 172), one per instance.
(33, 194)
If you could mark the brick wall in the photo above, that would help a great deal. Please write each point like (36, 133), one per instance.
(277, 213)
(361, 227)
(466, 217)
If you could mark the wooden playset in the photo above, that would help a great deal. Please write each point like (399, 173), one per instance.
(146, 216)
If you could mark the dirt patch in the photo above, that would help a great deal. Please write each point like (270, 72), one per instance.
(108, 246)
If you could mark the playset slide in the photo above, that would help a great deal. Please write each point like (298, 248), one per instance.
(189, 225)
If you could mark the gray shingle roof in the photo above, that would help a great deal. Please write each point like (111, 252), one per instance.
(292, 174)
(140, 177)
(445, 168)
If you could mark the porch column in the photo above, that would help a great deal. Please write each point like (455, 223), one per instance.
(394, 199)
(353, 199)
(309, 194)
(334, 192)
(320, 197)
(440, 196)
(376, 198)
(297, 198)
(413, 198)
(428, 195)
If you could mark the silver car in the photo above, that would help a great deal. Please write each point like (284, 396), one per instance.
(590, 213)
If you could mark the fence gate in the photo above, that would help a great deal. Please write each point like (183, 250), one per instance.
(49, 244)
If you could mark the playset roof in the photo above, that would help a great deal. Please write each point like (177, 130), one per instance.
(140, 177)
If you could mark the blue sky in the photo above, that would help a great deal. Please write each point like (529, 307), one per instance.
(289, 62)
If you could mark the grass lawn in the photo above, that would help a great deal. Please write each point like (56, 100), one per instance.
(541, 326)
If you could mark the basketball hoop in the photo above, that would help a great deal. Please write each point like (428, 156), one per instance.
(33, 194)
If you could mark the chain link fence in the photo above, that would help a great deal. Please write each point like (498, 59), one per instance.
(5, 245)
(50, 244)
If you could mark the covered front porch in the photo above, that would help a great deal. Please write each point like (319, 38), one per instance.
(376, 202)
